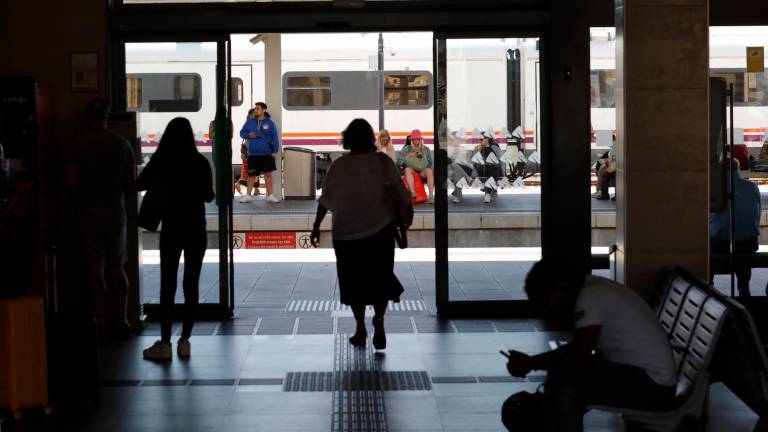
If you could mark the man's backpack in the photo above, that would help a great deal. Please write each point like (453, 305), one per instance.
(524, 411)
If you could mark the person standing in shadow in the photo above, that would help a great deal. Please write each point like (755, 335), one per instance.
(183, 227)
(355, 190)
(100, 177)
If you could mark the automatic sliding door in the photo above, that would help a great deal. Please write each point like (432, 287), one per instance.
(165, 80)
(489, 171)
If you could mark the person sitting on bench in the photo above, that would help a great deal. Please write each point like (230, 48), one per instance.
(619, 354)
(746, 227)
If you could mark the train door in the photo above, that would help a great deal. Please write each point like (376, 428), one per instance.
(488, 175)
(165, 79)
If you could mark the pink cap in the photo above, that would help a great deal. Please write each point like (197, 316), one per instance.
(415, 134)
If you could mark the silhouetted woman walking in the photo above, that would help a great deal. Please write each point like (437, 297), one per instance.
(363, 231)
(183, 226)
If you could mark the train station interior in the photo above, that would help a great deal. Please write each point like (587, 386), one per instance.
(603, 135)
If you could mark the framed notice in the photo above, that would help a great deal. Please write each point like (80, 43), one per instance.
(85, 72)
(755, 59)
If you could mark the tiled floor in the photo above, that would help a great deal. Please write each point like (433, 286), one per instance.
(288, 322)
(275, 285)
(234, 383)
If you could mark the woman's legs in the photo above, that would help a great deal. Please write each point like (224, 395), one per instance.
(193, 263)
(379, 336)
(429, 175)
(409, 179)
(361, 334)
(170, 252)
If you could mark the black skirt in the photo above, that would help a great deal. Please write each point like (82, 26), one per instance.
(365, 269)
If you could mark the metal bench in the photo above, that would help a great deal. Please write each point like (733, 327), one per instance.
(693, 319)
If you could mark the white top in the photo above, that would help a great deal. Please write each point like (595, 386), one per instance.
(354, 192)
(389, 151)
(629, 331)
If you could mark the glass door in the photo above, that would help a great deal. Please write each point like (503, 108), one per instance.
(190, 79)
(488, 154)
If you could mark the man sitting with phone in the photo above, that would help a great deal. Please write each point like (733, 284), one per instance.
(619, 354)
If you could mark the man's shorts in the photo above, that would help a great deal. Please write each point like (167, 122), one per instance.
(102, 235)
(260, 164)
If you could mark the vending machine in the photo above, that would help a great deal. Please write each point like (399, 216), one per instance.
(18, 183)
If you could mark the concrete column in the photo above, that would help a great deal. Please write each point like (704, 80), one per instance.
(662, 69)
(273, 87)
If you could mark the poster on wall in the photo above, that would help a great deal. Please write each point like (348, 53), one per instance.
(85, 72)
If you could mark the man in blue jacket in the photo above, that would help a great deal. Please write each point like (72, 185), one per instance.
(746, 227)
(263, 149)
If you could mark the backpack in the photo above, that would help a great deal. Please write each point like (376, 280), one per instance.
(524, 411)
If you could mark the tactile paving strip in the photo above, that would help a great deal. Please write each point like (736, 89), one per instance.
(356, 411)
(357, 380)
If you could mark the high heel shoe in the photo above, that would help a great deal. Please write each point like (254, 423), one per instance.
(359, 339)
(379, 336)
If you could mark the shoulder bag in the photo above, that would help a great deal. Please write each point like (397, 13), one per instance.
(402, 213)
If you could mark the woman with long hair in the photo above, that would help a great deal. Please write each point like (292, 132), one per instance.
(384, 144)
(183, 227)
(355, 191)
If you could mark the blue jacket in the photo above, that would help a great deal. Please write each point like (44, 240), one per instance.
(747, 213)
(267, 140)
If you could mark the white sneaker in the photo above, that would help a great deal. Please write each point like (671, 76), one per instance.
(184, 348)
(246, 199)
(273, 199)
(159, 351)
(455, 199)
(487, 198)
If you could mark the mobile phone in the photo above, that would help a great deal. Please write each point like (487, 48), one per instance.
(504, 353)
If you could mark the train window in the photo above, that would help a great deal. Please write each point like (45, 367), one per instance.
(406, 90)
(603, 84)
(164, 92)
(236, 98)
(356, 90)
(749, 88)
(308, 91)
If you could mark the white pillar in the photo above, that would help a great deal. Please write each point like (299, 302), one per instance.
(273, 87)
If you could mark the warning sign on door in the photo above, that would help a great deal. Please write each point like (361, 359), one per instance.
(272, 240)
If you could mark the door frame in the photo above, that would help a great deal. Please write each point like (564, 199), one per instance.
(224, 308)
(473, 308)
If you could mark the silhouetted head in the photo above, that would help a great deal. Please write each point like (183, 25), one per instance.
(178, 140)
(553, 285)
(96, 113)
(358, 136)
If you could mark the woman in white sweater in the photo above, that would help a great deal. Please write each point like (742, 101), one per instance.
(355, 191)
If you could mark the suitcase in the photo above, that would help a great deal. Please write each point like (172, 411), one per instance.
(418, 185)
(23, 354)
(75, 370)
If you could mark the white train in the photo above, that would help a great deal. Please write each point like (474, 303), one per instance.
(328, 79)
